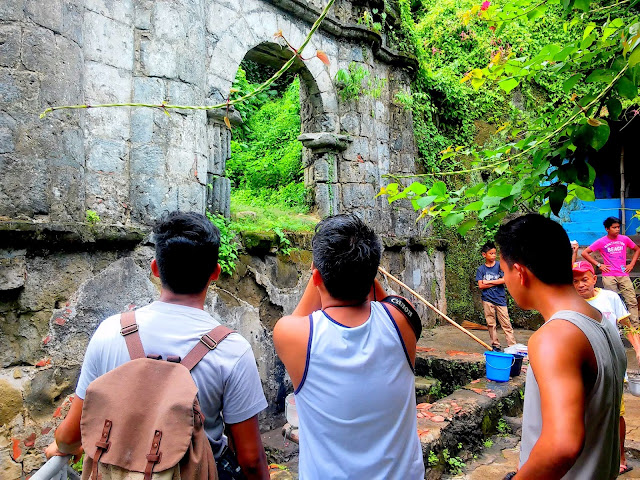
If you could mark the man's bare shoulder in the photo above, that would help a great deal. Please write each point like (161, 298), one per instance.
(558, 339)
(291, 328)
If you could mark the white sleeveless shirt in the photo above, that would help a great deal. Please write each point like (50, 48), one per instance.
(600, 457)
(356, 402)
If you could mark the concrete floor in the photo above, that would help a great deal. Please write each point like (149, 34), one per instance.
(448, 338)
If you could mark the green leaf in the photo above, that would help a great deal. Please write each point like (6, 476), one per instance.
(545, 209)
(467, 225)
(453, 219)
(491, 201)
(417, 188)
(588, 30)
(556, 198)
(634, 58)
(600, 75)
(486, 212)
(500, 191)
(439, 189)
(615, 108)
(474, 206)
(536, 12)
(476, 83)
(582, 5)
(568, 84)
(424, 202)
(474, 191)
(626, 88)
(585, 194)
(398, 196)
(508, 84)
(596, 137)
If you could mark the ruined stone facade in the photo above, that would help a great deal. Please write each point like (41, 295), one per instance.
(59, 277)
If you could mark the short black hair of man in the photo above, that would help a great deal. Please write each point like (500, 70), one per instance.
(540, 244)
(487, 246)
(610, 221)
(187, 245)
(347, 253)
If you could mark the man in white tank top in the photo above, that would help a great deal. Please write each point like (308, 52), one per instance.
(351, 361)
(574, 383)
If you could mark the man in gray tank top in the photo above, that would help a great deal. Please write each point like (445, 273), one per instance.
(577, 361)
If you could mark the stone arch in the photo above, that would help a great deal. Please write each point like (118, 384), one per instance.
(318, 97)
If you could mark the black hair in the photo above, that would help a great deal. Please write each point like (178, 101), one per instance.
(187, 245)
(540, 244)
(347, 253)
(487, 246)
(610, 221)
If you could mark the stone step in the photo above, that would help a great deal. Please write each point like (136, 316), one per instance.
(456, 426)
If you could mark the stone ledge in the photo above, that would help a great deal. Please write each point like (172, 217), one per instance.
(354, 32)
(69, 235)
(461, 421)
(325, 142)
(414, 243)
(219, 114)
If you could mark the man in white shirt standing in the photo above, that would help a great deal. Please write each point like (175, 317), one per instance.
(229, 388)
(612, 308)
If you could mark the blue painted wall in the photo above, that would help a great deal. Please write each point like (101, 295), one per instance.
(583, 220)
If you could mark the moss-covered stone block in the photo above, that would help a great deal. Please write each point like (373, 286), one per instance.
(259, 243)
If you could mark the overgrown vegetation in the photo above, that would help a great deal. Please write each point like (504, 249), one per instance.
(575, 65)
(228, 252)
(351, 83)
(265, 167)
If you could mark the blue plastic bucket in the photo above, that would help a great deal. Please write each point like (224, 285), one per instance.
(498, 365)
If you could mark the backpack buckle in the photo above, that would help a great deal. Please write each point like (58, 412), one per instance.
(209, 342)
(129, 329)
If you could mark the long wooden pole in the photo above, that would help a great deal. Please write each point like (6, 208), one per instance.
(432, 307)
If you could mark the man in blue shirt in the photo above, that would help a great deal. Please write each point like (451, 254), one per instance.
(490, 279)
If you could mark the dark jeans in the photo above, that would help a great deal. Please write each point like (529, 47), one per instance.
(228, 467)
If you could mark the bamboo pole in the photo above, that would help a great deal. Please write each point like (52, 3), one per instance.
(432, 307)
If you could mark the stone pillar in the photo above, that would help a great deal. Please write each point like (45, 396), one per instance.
(219, 138)
(320, 159)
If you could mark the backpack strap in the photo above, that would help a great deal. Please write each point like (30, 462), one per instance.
(102, 446)
(209, 341)
(131, 335)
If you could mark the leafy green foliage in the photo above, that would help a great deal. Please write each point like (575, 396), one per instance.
(503, 427)
(432, 460)
(575, 67)
(455, 464)
(266, 158)
(354, 83)
(228, 253)
(91, 217)
(488, 443)
(77, 466)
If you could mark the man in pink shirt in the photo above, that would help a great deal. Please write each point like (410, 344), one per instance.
(615, 271)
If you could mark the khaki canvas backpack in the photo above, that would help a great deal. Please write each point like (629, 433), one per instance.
(142, 420)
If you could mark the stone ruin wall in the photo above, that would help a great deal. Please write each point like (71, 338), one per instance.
(59, 277)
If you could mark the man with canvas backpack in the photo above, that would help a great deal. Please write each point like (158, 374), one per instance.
(143, 415)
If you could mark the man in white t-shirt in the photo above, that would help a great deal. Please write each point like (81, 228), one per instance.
(614, 311)
(229, 388)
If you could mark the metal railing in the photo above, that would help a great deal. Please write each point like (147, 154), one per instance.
(56, 468)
